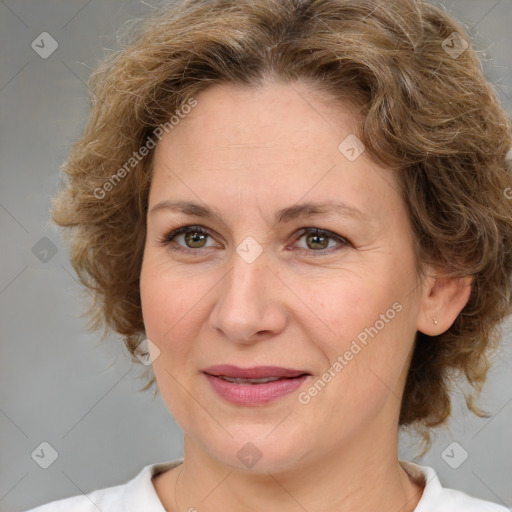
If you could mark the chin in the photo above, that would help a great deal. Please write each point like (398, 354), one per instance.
(255, 452)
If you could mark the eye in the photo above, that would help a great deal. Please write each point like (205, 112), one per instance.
(195, 237)
(317, 240)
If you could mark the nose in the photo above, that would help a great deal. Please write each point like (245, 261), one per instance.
(249, 306)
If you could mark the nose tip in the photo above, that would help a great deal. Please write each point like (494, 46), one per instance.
(247, 308)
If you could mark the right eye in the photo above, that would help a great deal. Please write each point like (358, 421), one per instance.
(194, 238)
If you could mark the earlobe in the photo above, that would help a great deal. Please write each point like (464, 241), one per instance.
(443, 299)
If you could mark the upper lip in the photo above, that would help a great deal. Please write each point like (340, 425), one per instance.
(256, 372)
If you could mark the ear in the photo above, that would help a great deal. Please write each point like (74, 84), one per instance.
(442, 301)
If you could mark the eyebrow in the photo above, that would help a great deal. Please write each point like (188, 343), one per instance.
(308, 209)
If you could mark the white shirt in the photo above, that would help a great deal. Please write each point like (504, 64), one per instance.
(139, 495)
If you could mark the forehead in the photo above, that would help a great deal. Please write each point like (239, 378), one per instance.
(228, 115)
(280, 143)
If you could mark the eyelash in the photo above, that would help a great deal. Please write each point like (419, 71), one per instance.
(168, 238)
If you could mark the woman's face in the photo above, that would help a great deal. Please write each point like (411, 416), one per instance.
(335, 311)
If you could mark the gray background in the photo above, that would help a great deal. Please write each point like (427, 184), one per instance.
(58, 384)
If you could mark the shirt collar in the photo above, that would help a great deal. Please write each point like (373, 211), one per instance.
(140, 494)
(428, 479)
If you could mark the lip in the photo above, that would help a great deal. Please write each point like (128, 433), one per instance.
(255, 372)
(251, 395)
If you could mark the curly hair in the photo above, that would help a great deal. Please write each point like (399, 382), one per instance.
(428, 113)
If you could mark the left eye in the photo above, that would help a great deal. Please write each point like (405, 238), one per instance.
(195, 237)
(318, 239)
(192, 235)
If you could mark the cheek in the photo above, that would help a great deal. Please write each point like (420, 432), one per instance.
(173, 307)
(166, 298)
(168, 310)
(350, 303)
(368, 318)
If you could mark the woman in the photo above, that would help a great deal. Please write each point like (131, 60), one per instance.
(298, 208)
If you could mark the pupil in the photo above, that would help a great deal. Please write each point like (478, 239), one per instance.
(317, 237)
(193, 237)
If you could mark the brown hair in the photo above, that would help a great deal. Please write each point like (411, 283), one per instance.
(428, 113)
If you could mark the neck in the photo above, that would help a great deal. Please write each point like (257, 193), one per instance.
(350, 480)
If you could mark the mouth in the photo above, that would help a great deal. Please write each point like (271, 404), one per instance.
(253, 375)
(254, 386)
(248, 381)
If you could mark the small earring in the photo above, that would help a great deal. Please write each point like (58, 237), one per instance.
(435, 320)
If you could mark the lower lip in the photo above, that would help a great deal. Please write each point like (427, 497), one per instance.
(254, 394)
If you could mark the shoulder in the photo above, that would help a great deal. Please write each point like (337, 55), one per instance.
(137, 494)
(440, 499)
(457, 500)
(108, 499)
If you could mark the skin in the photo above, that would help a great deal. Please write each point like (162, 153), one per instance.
(248, 153)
